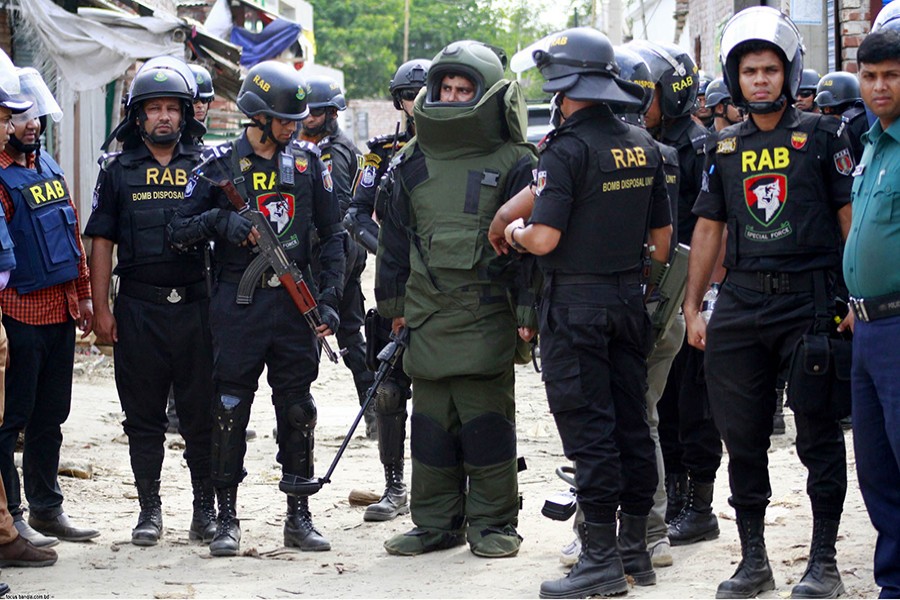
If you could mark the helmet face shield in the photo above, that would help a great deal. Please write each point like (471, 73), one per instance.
(475, 61)
(33, 89)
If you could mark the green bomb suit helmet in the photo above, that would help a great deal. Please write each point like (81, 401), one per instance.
(581, 64)
(674, 71)
(837, 89)
(274, 89)
(474, 60)
(762, 24)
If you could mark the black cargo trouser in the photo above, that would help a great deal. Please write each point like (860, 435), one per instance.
(162, 346)
(750, 340)
(595, 339)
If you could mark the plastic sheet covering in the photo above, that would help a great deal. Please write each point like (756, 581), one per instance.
(97, 46)
(275, 38)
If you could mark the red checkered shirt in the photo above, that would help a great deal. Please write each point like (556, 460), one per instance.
(55, 304)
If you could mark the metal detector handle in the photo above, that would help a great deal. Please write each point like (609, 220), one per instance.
(389, 357)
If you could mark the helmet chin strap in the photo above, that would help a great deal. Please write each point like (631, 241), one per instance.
(266, 129)
(765, 108)
(329, 126)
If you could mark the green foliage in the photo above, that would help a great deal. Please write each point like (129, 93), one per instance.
(364, 38)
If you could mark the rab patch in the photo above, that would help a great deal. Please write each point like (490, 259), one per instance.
(326, 181)
(843, 162)
(302, 164)
(798, 139)
(278, 209)
(541, 180)
(766, 196)
(726, 146)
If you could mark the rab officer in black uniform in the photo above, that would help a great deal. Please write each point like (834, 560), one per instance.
(160, 329)
(287, 182)
(780, 182)
(601, 195)
(370, 199)
(342, 159)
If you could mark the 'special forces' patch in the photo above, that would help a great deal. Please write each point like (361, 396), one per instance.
(726, 146)
(843, 162)
(541, 180)
(765, 195)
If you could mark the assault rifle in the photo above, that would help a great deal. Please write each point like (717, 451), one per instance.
(389, 359)
(271, 254)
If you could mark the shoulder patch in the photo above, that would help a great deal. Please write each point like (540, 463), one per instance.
(700, 143)
(727, 145)
(307, 147)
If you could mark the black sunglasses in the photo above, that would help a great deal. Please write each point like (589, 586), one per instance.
(805, 93)
(317, 112)
(408, 94)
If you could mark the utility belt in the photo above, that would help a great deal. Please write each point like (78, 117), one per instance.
(773, 282)
(266, 281)
(878, 307)
(163, 295)
(594, 279)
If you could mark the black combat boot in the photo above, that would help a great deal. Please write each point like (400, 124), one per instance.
(696, 521)
(778, 418)
(203, 523)
(149, 526)
(633, 549)
(754, 573)
(822, 578)
(599, 570)
(227, 541)
(676, 494)
(299, 531)
(394, 501)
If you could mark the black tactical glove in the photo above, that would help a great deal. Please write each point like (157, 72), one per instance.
(231, 226)
(330, 317)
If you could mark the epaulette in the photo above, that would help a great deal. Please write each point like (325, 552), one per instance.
(381, 141)
(701, 142)
(107, 158)
(831, 125)
(307, 146)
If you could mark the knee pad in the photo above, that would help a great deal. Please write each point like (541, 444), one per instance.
(391, 398)
(488, 439)
(433, 445)
(301, 413)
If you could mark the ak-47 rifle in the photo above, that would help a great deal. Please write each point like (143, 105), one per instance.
(271, 254)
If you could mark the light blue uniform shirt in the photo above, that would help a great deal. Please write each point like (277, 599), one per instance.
(873, 246)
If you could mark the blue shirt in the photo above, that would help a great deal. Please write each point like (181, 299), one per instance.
(870, 256)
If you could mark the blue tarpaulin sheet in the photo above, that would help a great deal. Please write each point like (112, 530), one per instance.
(275, 38)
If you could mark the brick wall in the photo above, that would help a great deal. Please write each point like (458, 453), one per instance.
(705, 20)
(855, 17)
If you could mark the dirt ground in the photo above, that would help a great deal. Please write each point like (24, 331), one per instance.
(358, 566)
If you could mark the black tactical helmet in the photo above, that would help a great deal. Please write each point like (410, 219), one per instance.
(205, 90)
(888, 17)
(474, 60)
(674, 71)
(633, 68)
(411, 75)
(158, 82)
(837, 89)
(809, 80)
(581, 63)
(775, 29)
(324, 92)
(705, 80)
(716, 93)
(274, 89)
